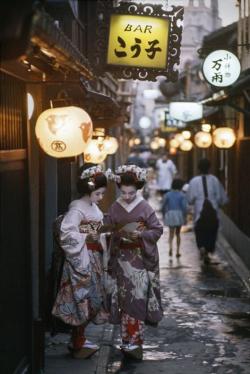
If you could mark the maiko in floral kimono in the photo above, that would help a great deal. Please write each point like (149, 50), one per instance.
(81, 293)
(135, 265)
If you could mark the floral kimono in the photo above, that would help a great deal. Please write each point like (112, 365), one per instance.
(133, 289)
(81, 292)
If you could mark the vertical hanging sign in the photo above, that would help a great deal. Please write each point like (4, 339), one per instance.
(139, 41)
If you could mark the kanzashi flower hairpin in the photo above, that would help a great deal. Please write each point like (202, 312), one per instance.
(91, 172)
(140, 173)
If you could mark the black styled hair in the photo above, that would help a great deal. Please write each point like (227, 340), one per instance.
(177, 184)
(204, 165)
(83, 187)
(130, 179)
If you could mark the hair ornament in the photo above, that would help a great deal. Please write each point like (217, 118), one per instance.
(91, 172)
(140, 173)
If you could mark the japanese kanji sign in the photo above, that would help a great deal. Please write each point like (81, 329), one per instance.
(221, 68)
(138, 41)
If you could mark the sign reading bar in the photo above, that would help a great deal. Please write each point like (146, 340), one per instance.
(138, 41)
(221, 68)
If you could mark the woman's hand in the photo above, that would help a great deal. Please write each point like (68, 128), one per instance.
(135, 235)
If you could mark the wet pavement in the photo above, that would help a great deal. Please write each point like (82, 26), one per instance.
(206, 324)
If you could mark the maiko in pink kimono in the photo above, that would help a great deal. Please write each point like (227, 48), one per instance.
(134, 289)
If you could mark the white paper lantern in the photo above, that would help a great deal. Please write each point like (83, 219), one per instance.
(186, 146)
(186, 134)
(64, 132)
(203, 139)
(94, 152)
(174, 143)
(224, 137)
(110, 145)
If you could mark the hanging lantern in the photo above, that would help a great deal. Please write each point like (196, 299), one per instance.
(110, 145)
(154, 145)
(174, 143)
(137, 141)
(186, 134)
(161, 142)
(172, 151)
(64, 132)
(206, 127)
(224, 137)
(186, 145)
(131, 143)
(203, 139)
(179, 137)
(94, 152)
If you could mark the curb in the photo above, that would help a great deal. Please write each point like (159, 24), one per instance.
(235, 261)
(105, 350)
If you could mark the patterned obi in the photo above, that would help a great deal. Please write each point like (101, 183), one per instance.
(88, 227)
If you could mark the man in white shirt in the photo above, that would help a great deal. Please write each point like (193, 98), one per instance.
(166, 171)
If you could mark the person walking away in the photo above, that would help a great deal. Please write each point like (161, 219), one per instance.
(207, 194)
(166, 171)
(80, 298)
(174, 209)
(134, 298)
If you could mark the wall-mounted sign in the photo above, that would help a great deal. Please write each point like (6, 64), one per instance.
(138, 41)
(221, 68)
(185, 111)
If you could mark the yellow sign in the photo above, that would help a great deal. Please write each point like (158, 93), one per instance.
(138, 41)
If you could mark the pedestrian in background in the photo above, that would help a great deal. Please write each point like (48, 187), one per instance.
(207, 194)
(174, 209)
(80, 298)
(166, 171)
(134, 293)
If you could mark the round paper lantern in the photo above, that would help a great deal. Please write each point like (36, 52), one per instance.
(94, 152)
(110, 145)
(179, 137)
(161, 142)
(174, 143)
(137, 141)
(224, 137)
(203, 139)
(154, 145)
(186, 145)
(186, 134)
(64, 132)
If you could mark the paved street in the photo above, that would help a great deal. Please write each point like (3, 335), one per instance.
(206, 324)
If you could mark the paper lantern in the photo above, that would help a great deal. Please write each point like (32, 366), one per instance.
(64, 132)
(174, 143)
(154, 145)
(186, 134)
(203, 139)
(186, 145)
(224, 137)
(206, 127)
(161, 142)
(179, 137)
(94, 152)
(110, 145)
(137, 141)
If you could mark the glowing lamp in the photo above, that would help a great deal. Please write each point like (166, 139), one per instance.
(131, 142)
(186, 145)
(94, 152)
(174, 143)
(161, 142)
(63, 132)
(224, 137)
(186, 134)
(154, 145)
(203, 139)
(206, 127)
(137, 141)
(179, 138)
(110, 145)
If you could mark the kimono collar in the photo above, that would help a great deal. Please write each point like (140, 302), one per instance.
(132, 205)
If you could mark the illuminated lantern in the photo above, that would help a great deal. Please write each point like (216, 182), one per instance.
(154, 145)
(174, 143)
(131, 142)
(186, 134)
(94, 152)
(186, 145)
(110, 145)
(172, 151)
(179, 138)
(64, 132)
(224, 137)
(203, 139)
(161, 142)
(206, 127)
(137, 141)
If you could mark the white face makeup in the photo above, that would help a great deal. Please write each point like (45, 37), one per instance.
(97, 195)
(128, 193)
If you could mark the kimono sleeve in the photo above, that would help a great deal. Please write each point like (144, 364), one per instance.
(150, 237)
(71, 240)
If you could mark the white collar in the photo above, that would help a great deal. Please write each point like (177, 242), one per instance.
(132, 205)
